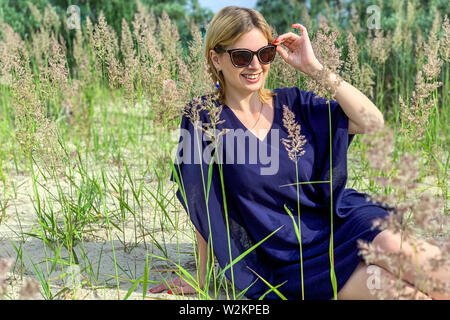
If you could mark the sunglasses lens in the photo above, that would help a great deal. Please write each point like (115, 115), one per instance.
(241, 58)
(267, 54)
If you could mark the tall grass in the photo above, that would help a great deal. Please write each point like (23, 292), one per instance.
(95, 138)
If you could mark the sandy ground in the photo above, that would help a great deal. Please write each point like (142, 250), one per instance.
(99, 281)
(20, 218)
(97, 251)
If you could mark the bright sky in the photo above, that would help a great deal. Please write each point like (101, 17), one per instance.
(216, 5)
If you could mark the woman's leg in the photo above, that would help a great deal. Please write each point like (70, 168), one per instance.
(369, 282)
(418, 252)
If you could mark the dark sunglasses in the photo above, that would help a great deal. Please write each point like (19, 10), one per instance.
(242, 58)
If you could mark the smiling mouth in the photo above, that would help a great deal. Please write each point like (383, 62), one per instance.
(251, 76)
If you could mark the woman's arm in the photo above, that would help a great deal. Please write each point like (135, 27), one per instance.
(354, 104)
(202, 252)
(352, 101)
(178, 285)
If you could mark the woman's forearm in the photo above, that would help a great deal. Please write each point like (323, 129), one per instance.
(202, 252)
(353, 102)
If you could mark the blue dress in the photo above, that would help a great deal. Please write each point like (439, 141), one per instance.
(259, 182)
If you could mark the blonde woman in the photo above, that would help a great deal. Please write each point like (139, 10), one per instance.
(254, 204)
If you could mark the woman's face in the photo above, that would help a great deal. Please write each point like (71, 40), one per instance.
(238, 79)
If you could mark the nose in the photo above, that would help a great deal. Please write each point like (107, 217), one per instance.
(255, 62)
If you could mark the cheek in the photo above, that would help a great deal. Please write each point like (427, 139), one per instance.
(231, 77)
(229, 71)
(228, 74)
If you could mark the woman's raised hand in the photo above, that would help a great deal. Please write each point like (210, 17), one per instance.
(301, 55)
(176, 286)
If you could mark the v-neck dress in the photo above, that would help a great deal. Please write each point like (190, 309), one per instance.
(241, 200)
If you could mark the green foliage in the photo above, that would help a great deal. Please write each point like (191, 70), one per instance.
(130, 148)
(17, 13)
(281, 14)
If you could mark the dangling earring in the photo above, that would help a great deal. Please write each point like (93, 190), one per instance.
(217, 85)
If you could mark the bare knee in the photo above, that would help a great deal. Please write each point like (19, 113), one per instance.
(355, 287)
(370, 282)
(391, 242)
(388, 241)
(406, 255)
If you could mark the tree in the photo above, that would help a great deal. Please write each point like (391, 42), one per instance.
(17, 13)
(281, 14)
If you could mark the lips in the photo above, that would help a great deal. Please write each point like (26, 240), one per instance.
(251, 77)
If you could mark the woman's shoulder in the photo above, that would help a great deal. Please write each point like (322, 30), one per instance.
(296, 95)
(292, 92)
(290, 96)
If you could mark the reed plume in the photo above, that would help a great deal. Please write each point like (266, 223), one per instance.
(415, 215)
(54, 78)
(380, 45)
(169, 39)
(445, 45)
(359, 75)
(35, 12)
(354, 20)
(150, 55)
(294, 146)
(51, 20)
(130, 64)
(78, 112)
(328, 54)
(415, 114)
(36, 134)
(197, 67)
(432, 67)
(295, 141)
(397, 38)
(104, 45)
(82, 70)
(283, 73)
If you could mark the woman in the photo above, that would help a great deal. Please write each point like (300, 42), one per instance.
(252, 208)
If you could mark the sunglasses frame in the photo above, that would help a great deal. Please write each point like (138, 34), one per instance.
(230, 52)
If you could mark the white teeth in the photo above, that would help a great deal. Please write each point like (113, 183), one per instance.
(251, 76)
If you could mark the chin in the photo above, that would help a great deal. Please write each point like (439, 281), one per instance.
(255, 86)
(252, 89)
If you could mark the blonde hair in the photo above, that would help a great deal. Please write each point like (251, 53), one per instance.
(227, 26)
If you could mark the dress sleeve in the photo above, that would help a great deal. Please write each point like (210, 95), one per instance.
(316, 114)
(201, 193)
(191, 181)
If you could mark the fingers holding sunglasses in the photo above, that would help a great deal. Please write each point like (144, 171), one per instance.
(290, 40)
(291, 58)
(300, 54)
(285, 38)
(283, 53)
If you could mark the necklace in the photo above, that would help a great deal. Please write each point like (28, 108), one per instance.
(259, 116)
